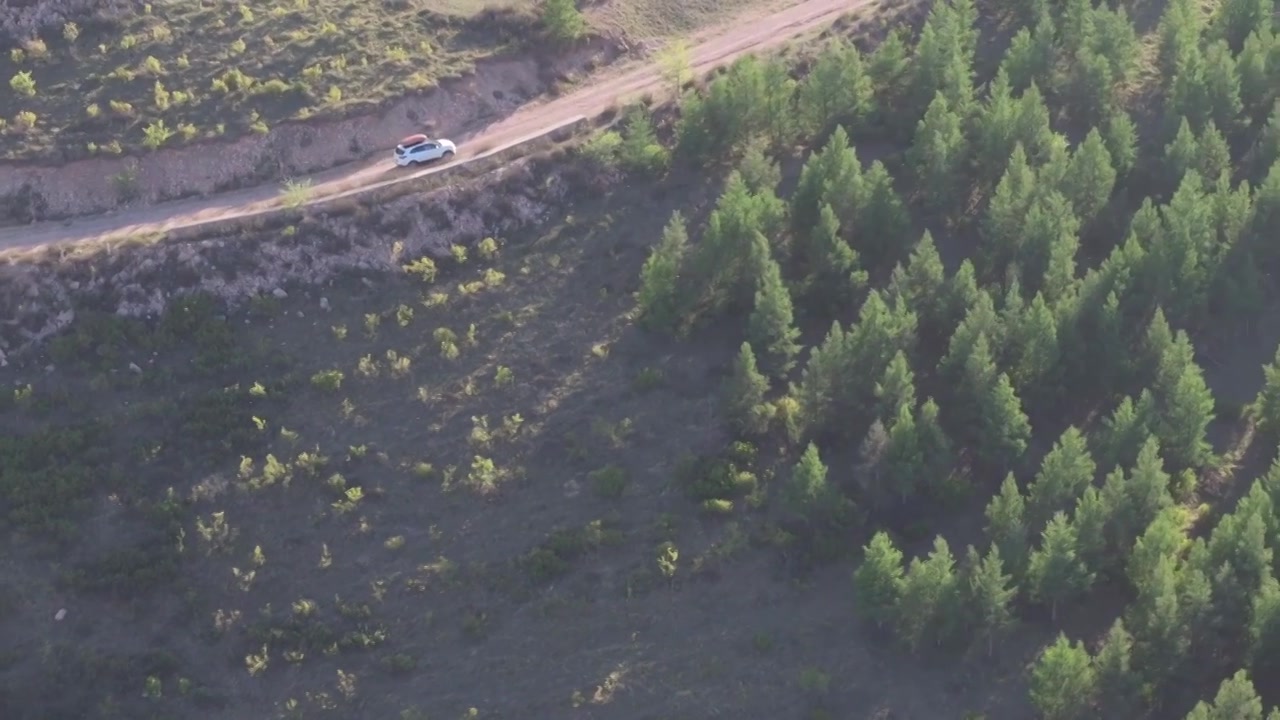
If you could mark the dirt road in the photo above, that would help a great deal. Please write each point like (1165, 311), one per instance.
(709, 50)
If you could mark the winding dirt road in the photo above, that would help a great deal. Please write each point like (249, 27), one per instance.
(708, 50)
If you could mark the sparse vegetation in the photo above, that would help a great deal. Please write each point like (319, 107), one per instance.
(222, 64)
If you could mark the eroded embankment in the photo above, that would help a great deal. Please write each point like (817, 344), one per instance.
(39, 298)
(496, 88)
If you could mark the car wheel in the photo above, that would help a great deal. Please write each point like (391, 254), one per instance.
(448, 155)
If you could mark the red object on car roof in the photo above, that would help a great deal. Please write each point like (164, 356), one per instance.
(413, 140)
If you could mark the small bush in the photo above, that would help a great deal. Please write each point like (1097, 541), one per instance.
(327, 379)
(156, 134)
(23, 84)
(641, 151)
(424, 268)
(603, 149)
(295, 193)
(563, 20)
(399, 663)
(609, 482)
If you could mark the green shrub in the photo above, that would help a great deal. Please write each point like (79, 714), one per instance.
(327, 379)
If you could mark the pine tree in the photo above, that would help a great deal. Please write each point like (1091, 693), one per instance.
(1121, 136)
(1266, 202)
(1147, 489)
(1256, 90)
(1115, 38)
(978, 377)
(871, 459)
(1165, 537)
(929, 597)
(770, 325)
(731, 258)
(943, 59)
(897, 388)
(1037, 355)
(809, 494)
(1183, 153)
(658, 298)
(1170, 605)
(1056, 572)
(1119, 687)
(962, 292)
(778, 106)
(1222, 81)
(980, 322)
(1007, 213)
(1006, 525)
(1184, 408)
(879, 581)
(1265, 409)
(883, 221)
(938, 152)
(903, 459)
(1075, 26)
(1158, 349)
(880, 332)
(1030, 57)
(921, 285)
(1093, 83)
(760, 174)
(888, 67)
(1188, 92)
(1236, 700)
(1236, 20)
(824, 386)
(935, 446)
(833, 169)
(641, 150)
(989, 594)
(1092, 518)
(838, 88)
(744, 396)
(1063, 682)
(1036, 134)
(996, 127)
(1180, 30)
(1060, 280)
(1214, 156)
(835, 273)
(1090, 177)
(1123, 432)
(1004, 430)
(1264, 628)
(1064, 473)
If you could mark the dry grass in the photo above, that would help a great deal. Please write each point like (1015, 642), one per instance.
(654, 19)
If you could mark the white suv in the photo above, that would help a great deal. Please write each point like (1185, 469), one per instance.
(417, 149)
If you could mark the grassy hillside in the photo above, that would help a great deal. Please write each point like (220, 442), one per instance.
(179, 72)
(893, 391)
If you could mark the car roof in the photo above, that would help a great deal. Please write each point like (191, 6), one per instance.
(414, 140)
